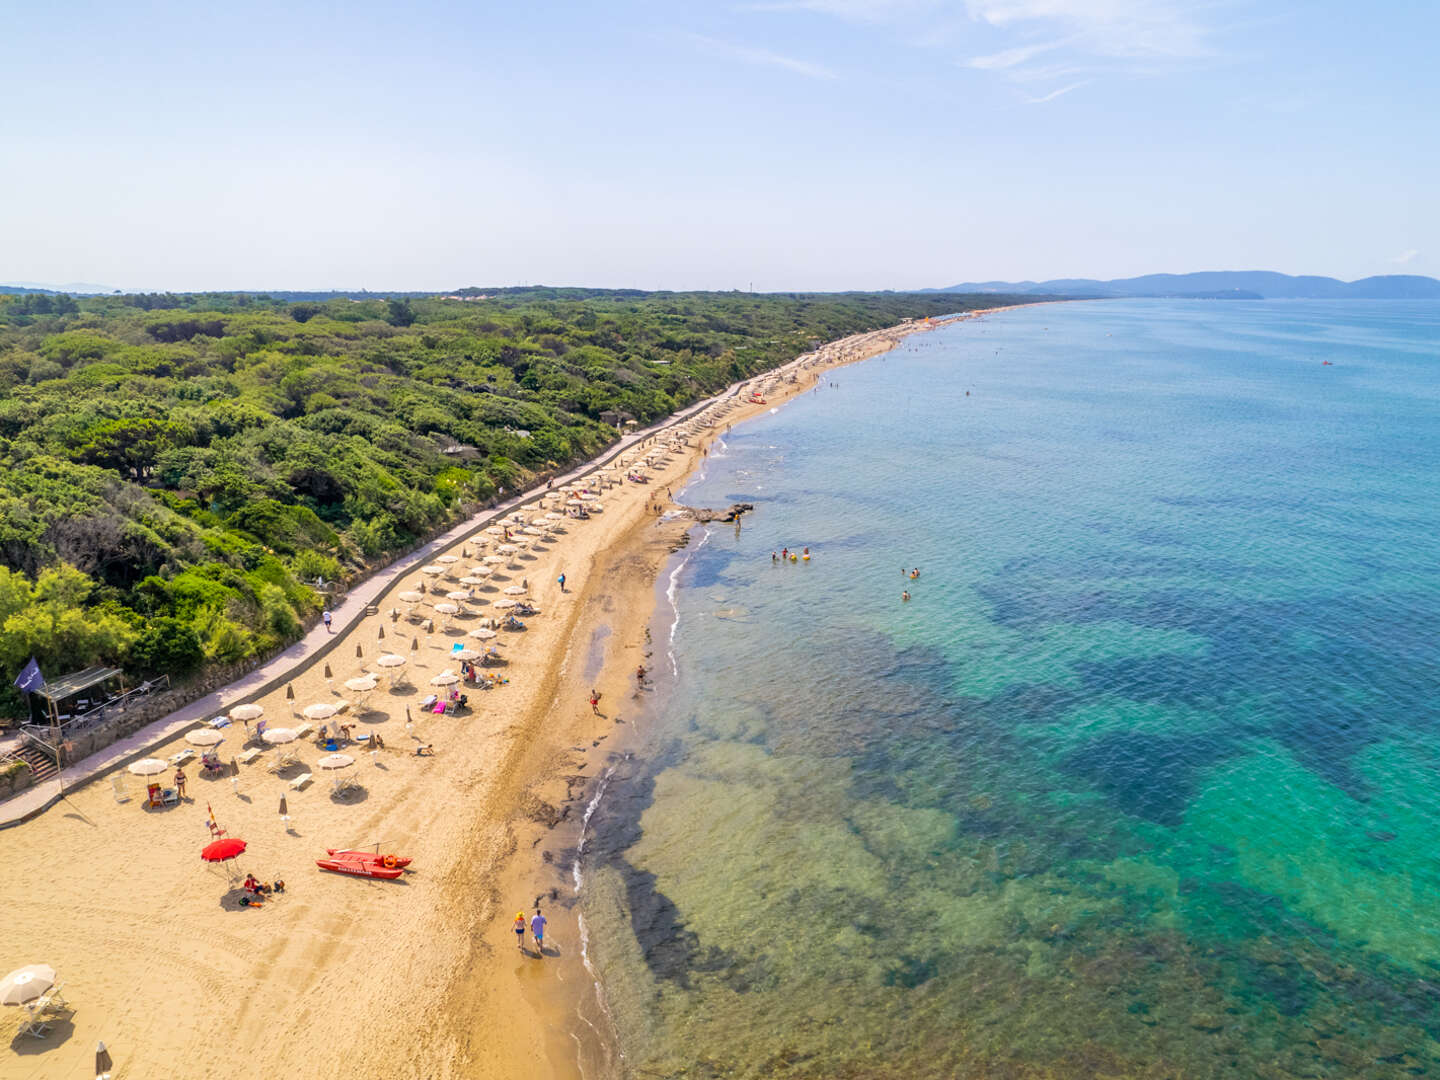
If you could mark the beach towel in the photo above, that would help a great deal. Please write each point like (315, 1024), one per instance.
(439, 707)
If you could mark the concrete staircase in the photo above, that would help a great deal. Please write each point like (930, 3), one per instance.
(41, 763)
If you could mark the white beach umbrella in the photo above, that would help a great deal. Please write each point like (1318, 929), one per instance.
(331, 762)
(553, 516)
(448, 559)
(246, 712)
(445, 678)
(447, 609)
(482, 634)
(515, 590)
(531, 530)
(472, 579)
(493, 560)
(504, 604)
(150, 766)
(204, 737)
(573, 502)
(464, 654)
(321, 710)
(410, 596)
(25, 984)
(277, 736)
(587, 496)
(390, 660)
(507, 549)
(432, 570)
(457, 595)
(361, 683)
(495, 530)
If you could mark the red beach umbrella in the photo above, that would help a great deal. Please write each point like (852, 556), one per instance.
(222, 850)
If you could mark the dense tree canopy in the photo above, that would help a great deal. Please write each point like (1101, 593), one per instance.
(173, 469)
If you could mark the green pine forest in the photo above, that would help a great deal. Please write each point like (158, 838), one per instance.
(175, 468)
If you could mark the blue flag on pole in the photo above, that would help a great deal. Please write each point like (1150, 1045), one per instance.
(30, 679)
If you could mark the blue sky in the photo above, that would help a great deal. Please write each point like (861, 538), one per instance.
(792, 144)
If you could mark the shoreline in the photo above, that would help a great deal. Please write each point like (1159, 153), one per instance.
(578, 1020)
(431, 953)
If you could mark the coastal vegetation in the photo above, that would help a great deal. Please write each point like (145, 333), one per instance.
(178, 473)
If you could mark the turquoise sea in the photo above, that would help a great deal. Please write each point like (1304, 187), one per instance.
(1145, 778)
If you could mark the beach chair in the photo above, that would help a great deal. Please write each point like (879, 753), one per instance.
(153, 795)
(300, 781)
(32, 1023)
(249, 755)
(170, 796)
(181, 756)
(117, 785)
(53, 1003)
(303, 730)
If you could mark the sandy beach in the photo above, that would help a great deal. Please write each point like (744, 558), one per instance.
(345, 976)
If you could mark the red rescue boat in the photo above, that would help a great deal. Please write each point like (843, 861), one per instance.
(363, 863)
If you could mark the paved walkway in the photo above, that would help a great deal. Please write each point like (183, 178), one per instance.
(310, 648)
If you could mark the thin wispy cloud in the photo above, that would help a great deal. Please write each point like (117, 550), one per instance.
(1056, 93)
(1035, 41)
(1406, 257)
(750, 54)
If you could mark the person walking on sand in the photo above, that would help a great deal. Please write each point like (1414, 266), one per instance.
(325, 617)
(640, 675)
(561, 580)
(595, 701)
(537, 931)
(519, 926)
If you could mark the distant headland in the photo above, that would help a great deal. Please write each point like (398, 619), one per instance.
(1220, 285)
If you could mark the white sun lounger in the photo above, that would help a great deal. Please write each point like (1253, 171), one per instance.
(300, 781)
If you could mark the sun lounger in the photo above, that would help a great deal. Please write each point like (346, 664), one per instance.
(31, 1023)
(220, 721)
(117, 785)
(181, 756)
(300, 781)
(303, 730)
(249, 755)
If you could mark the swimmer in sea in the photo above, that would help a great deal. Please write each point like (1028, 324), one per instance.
(905, 595)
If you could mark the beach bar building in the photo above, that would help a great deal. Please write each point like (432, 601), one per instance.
(74, 695)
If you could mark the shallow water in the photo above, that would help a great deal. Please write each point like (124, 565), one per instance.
(1141, 782)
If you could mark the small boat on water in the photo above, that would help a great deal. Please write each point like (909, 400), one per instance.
(363, 863)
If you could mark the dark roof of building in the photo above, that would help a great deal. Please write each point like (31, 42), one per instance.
(67, 686)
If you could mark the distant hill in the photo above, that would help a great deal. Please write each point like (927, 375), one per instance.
(1222, 285)
(74, 288)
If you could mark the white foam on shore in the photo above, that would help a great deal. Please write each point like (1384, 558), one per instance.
(577, 876)
(670, 592)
